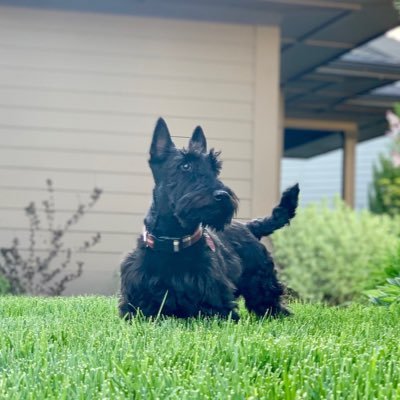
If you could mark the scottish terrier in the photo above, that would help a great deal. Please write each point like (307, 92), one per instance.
(192, 259)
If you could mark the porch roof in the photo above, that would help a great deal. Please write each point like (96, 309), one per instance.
(322, 76)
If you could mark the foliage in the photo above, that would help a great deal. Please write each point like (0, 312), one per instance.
(48, 274)
(384, 196)
(389, 268)
(332, 254)
(78, 348)
(388, 293)
(397, 5)
(4, 286)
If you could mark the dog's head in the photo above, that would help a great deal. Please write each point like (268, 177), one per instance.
(186, 181)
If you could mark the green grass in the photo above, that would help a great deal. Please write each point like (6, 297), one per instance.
(77, 348)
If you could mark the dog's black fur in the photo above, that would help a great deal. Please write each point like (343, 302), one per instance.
(205, 278)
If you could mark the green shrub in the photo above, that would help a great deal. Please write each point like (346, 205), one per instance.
(389, 268)
(333, 254)
(387, 294)
(384, 195)
(4, 286)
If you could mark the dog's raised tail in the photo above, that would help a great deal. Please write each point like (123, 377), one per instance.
(281, 214)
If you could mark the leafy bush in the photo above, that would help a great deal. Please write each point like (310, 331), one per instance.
(45, 273)
(332, 254)
(389, 268)
(384, 196)
(4, 286)
(389, 292)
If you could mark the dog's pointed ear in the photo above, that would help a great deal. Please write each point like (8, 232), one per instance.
(161, 143)
(198, 141)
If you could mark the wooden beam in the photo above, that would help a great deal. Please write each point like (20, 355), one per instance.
(318, 43)
(372, 72)
(351, 6)
(320, 125)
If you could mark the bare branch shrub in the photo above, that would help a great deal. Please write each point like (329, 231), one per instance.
(46, 273)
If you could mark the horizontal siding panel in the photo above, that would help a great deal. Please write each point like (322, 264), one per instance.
(73, 141)
(320, 177)
(74, 181)
(91, 221)
(100, 26)
(74, 161)
(108, 202)
(103, 223)
(114, 244)
(236, 170)
(135, 164)
(126, 46)
(79, 97)
(27, 180)
(100, 276)
(106, 144)
(24, 78)
(104, 65)
(119, 124)
(100, 103)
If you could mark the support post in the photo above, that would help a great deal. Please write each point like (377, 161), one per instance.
(349, 166)
(267, 135)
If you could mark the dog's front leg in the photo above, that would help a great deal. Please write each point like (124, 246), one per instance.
(224, 313)
(126, 310)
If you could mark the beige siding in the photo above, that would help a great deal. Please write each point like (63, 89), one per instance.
(79, 97)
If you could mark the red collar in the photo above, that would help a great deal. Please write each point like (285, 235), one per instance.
(171, 244)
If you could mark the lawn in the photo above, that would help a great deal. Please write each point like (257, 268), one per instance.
(77, 348)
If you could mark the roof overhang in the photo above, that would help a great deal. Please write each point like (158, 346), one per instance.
(315, 34)
(318, 83)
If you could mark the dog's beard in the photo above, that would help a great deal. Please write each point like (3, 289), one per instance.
(193, 209)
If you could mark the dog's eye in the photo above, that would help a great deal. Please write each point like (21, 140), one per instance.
(186, 167)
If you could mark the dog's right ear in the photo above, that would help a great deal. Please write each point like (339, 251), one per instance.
(162, 143)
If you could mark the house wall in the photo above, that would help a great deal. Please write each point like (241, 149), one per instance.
(320, 177)
(79, 97)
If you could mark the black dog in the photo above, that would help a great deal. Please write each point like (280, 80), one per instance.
(191, 260)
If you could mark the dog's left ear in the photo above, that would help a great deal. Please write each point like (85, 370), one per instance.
(198, 141)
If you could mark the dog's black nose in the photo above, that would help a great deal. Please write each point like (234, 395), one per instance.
(220, 195)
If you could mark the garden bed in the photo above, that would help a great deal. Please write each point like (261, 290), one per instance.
(78, 348)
